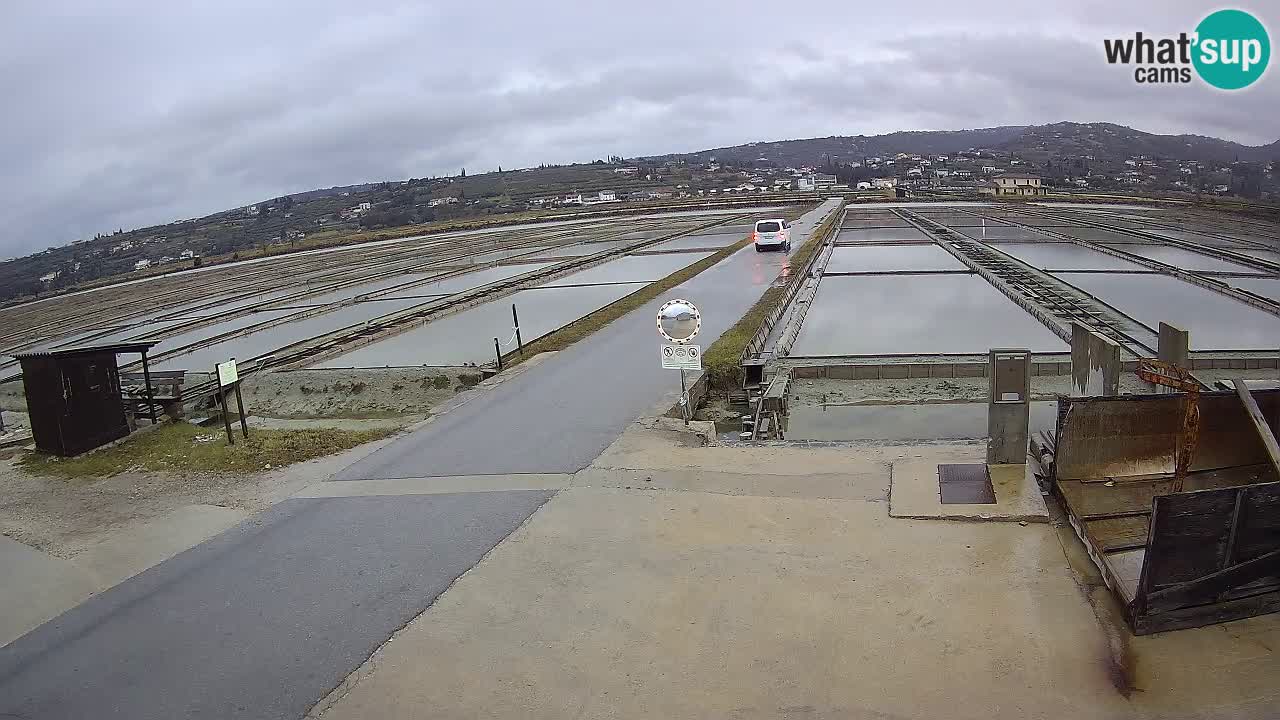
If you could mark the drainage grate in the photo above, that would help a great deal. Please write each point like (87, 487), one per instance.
(965, 485)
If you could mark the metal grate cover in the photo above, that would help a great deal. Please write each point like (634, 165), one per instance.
(968, 484)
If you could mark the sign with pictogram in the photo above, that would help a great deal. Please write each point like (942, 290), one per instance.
(681, 357)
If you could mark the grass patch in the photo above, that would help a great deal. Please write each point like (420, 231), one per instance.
(722, 361)
(184, 448)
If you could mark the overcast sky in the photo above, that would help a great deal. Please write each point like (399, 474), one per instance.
(128, 113)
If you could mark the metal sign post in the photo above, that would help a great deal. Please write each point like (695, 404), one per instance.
(684, 399)
(515, 319)
(679, 322)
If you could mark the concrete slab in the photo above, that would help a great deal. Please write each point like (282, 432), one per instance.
(657, 450)
(131, 551)
(35, 587)
(625, 604)
(847, 486)
(913, 493)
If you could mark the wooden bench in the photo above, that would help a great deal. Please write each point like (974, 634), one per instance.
(166, 390)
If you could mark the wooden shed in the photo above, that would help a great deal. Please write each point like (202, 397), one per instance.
(74, 396)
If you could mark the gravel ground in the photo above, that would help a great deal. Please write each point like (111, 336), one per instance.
(382, 392)
(64, 517)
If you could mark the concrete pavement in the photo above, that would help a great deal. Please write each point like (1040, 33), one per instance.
(770, 582)
(36, 587)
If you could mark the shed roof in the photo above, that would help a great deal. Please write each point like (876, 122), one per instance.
(123, 347)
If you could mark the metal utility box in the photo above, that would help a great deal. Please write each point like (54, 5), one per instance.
(1009, 408)
(74, 397)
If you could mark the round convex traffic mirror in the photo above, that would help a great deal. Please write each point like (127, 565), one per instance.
(679, 321)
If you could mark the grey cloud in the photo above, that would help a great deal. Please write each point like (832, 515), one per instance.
(123, 114)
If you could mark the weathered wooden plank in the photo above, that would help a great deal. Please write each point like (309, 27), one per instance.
(1086, 500)
(1118, 533)
(1229, 557)
(1207, 588)
(1199, 615)
(1259, 526)
(1189, 533)
(1132, 495)
(1126, 568)
(1136, 434)
(1259, 422)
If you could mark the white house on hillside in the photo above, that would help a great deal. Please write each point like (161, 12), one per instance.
(1015, 184)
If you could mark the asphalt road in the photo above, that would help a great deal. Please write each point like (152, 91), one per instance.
(263, 620)
(558, 416)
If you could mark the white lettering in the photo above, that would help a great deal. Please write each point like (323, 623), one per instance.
(1252, 54)
(1230, 51)
(1209, 51)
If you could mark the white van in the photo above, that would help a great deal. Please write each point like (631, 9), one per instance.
(772, 234)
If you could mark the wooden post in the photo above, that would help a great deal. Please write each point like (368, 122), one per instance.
(515, 319)
(226, 418)
(244, 423)
(146, 377)
(1259, 422)
(497, 350)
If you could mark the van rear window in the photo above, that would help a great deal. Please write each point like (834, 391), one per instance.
(768, 227)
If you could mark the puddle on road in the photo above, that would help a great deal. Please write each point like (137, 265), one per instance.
(931, 421)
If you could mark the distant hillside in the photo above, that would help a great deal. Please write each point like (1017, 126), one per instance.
(1105, 141)
(814, 151)
(1117, 142)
